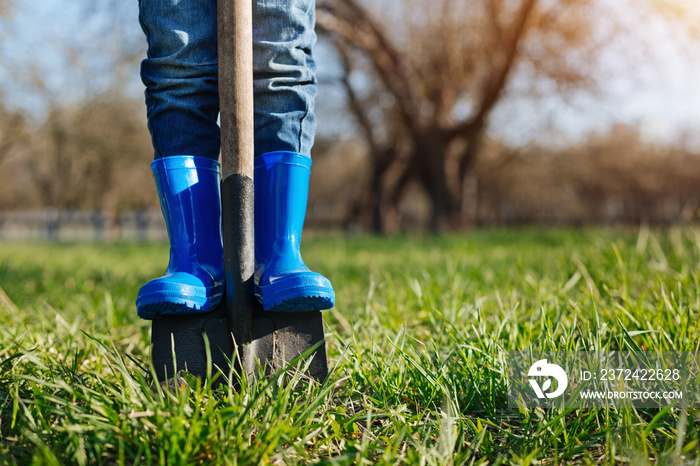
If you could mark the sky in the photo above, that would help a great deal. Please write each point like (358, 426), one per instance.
(658, 93)
(53, 49)
(652, 85)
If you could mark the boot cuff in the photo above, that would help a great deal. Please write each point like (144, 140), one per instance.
(184, 161)
(282, 157)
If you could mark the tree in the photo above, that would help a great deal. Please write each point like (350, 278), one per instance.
(437, 70)
(89, 146)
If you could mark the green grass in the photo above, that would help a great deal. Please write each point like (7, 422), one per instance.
(418, 346)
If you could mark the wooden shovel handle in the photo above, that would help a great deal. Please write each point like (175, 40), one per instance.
(235, 36)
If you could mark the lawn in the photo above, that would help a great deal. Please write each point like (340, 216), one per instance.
(417, 345)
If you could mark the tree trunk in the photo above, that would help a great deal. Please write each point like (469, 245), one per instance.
(431, 153)
(378, 209)
(368, 215)
(463, 207)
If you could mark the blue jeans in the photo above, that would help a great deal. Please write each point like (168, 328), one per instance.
(180, 74)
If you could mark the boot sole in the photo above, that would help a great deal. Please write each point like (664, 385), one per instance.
(298, 292)
(300, 304)
(159, 304)
(292, 296)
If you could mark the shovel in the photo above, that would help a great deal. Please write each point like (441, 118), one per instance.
(239, 330)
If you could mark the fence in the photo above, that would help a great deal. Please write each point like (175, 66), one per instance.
(73, 225)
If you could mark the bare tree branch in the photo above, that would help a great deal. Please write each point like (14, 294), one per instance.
(496, 82)
(357, 108)
(356, 28)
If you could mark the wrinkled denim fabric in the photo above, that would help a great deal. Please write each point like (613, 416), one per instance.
(180, 75)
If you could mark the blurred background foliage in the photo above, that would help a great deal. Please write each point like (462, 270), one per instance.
(433, 115)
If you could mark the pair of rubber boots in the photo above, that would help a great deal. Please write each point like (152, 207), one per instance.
(189, 192)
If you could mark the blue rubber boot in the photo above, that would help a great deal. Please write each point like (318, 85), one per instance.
(283, 281)
(190, 198)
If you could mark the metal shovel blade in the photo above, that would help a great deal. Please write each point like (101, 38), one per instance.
(179, 343)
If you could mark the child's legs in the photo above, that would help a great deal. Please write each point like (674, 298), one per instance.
(180, 75)
(181, 80)
(284, 78)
